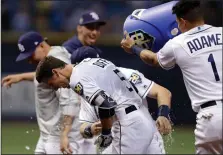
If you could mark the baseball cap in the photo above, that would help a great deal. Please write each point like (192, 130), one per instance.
(84, 52)
(27, 44)
(91, 17)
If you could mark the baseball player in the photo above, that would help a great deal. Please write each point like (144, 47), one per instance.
(101, 84)
(198, 53)
(91, 125)
(88, 32)
(53, 108)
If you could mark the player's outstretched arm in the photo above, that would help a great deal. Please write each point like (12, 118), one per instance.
(88, 130)
(64, 140)
(147, 56)
(163, 97)
(12, 79)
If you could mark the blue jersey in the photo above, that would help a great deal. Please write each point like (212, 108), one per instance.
(74, 47)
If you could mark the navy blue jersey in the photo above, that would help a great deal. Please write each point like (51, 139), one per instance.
(79, 51)
(72, 44)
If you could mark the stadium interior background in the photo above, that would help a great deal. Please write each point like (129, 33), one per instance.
(57, 20)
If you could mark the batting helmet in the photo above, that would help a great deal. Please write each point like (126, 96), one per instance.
(152, 28)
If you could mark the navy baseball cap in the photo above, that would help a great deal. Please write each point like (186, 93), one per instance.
(27, 44)
(91, 17)
(84, 52)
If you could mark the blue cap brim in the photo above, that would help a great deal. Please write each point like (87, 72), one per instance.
(100, 22)
(24, 56)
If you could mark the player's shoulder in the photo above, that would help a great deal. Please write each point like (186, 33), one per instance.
(126, 71)
(60, 52)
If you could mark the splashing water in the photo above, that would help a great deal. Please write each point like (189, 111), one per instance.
(168, 139)
(27, 148)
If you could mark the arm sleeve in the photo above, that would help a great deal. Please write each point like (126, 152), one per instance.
(166, 57)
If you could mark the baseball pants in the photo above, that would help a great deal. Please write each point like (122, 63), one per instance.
(208, 132)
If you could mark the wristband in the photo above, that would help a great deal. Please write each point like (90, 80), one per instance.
(87, 132)
(106, 131)
(164, 110)
(136, 50)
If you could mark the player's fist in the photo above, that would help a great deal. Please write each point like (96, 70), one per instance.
(64, 145)
(104, 141)
(96, 128)
(163, 125)
(127, 43)
(10, 79)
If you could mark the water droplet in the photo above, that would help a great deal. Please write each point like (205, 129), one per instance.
(31, 117)
(27, 148)
(27, 132)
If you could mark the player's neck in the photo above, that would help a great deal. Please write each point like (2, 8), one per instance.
(68, 71)
(81, 39)
(47, 48)
(195, 24)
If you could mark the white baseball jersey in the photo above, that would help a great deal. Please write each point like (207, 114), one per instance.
(94, 75)
(198, 52)
(143, 85)
(50, 104)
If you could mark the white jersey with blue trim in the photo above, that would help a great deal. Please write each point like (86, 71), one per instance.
(198, 52)
(89, 113)
(94, 75)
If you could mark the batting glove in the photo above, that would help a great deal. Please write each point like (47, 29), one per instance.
(104, 139)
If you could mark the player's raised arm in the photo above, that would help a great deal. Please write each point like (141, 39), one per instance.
(15, 78)
(149, 57)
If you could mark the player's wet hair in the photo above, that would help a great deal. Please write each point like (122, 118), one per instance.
(189, 10)
(45, 67)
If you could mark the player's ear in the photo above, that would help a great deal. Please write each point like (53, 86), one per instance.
(55, 72)
(41, 44)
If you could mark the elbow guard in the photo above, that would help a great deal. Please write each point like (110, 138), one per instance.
(106, 105)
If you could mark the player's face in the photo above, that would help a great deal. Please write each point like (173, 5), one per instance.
(58, 80)
(37, 56)
(89, 33)
(181, 24)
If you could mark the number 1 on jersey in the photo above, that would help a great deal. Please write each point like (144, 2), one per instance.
(211, 60)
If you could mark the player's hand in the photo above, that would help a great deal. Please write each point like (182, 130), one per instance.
(64, 145)
(10, 79)
(96, 128)
(127, 43)
(103, 141)
(163, 125)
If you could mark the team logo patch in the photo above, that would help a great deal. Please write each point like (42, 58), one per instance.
(142, 39)
(78, 88)
(135, 78)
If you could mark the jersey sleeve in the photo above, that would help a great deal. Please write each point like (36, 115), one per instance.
(69, 101)
(166, 57)
(85, 87)
(142, 84)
